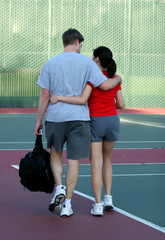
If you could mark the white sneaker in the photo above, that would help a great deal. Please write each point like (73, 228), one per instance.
(66, 211)
(97, 209)
(59, 197)
(108, 203)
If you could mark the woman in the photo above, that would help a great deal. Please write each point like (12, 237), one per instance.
(105, 126)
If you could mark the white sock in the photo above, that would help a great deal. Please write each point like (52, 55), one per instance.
(108, 195)
(98, 203)
(58, 187)
(67, 202)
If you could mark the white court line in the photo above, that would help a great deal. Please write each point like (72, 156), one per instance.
(145, 222)
(123, 164)
(129, 175)
(141, 141)
(15, 166)
(116, 148)
(115, 175)
(19, 142)
(140, 123)
(123, 142)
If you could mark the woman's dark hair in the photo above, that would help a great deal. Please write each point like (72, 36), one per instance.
(105, 56)
(70, 36)
(111, 68)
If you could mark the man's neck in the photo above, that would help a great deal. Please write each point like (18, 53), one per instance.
(70, 48)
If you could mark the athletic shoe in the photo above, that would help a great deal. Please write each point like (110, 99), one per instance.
(66, 211)
(97, 209)
(59, 197)
(56, 209)
(108, 203)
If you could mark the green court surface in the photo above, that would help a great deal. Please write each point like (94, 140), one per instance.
(137, 131)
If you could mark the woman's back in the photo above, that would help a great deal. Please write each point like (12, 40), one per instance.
(102, 103)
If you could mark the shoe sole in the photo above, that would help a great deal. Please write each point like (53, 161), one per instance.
(97, 214)
(56, 209)
(108, 208)
(58, 200)
(67, 215)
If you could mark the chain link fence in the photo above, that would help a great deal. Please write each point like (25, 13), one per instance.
(134, 30)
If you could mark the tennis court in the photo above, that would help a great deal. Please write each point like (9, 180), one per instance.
(138, 186)
(134, 31)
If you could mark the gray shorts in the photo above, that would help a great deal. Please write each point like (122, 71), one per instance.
(105, 128)
(76, 134)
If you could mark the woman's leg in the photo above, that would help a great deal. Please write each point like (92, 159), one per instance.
(96, 169)
(107, 167)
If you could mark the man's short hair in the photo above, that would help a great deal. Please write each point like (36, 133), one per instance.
(70, 36)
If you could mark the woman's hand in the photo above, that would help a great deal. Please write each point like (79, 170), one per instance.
(54, 99)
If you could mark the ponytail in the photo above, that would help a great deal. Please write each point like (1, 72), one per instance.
(111, 68)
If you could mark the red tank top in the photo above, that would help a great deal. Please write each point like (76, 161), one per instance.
(102, 103)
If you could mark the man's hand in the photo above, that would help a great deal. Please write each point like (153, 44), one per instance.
(111, 83)
(37, 128)
(118, 77)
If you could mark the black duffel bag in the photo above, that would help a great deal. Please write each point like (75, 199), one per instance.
(34, 169)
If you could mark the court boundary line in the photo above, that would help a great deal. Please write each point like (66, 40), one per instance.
(127, 214)
(127, 175)
(114, 164)
(138, 219)
(30, 149)
(114, 175)
(140, 123)
(116, 143)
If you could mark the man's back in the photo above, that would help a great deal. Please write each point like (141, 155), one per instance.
(67, 74)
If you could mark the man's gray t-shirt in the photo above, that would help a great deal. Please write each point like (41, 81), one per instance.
(67, 74)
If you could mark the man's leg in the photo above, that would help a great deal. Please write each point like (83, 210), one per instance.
(78, 146)
(57, 170)
(71, 181)
(56, 166)
(71, 177)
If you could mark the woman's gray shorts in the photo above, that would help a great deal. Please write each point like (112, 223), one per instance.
(76, 134)
(105, 128)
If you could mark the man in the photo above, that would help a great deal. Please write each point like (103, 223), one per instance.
(67, 74)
